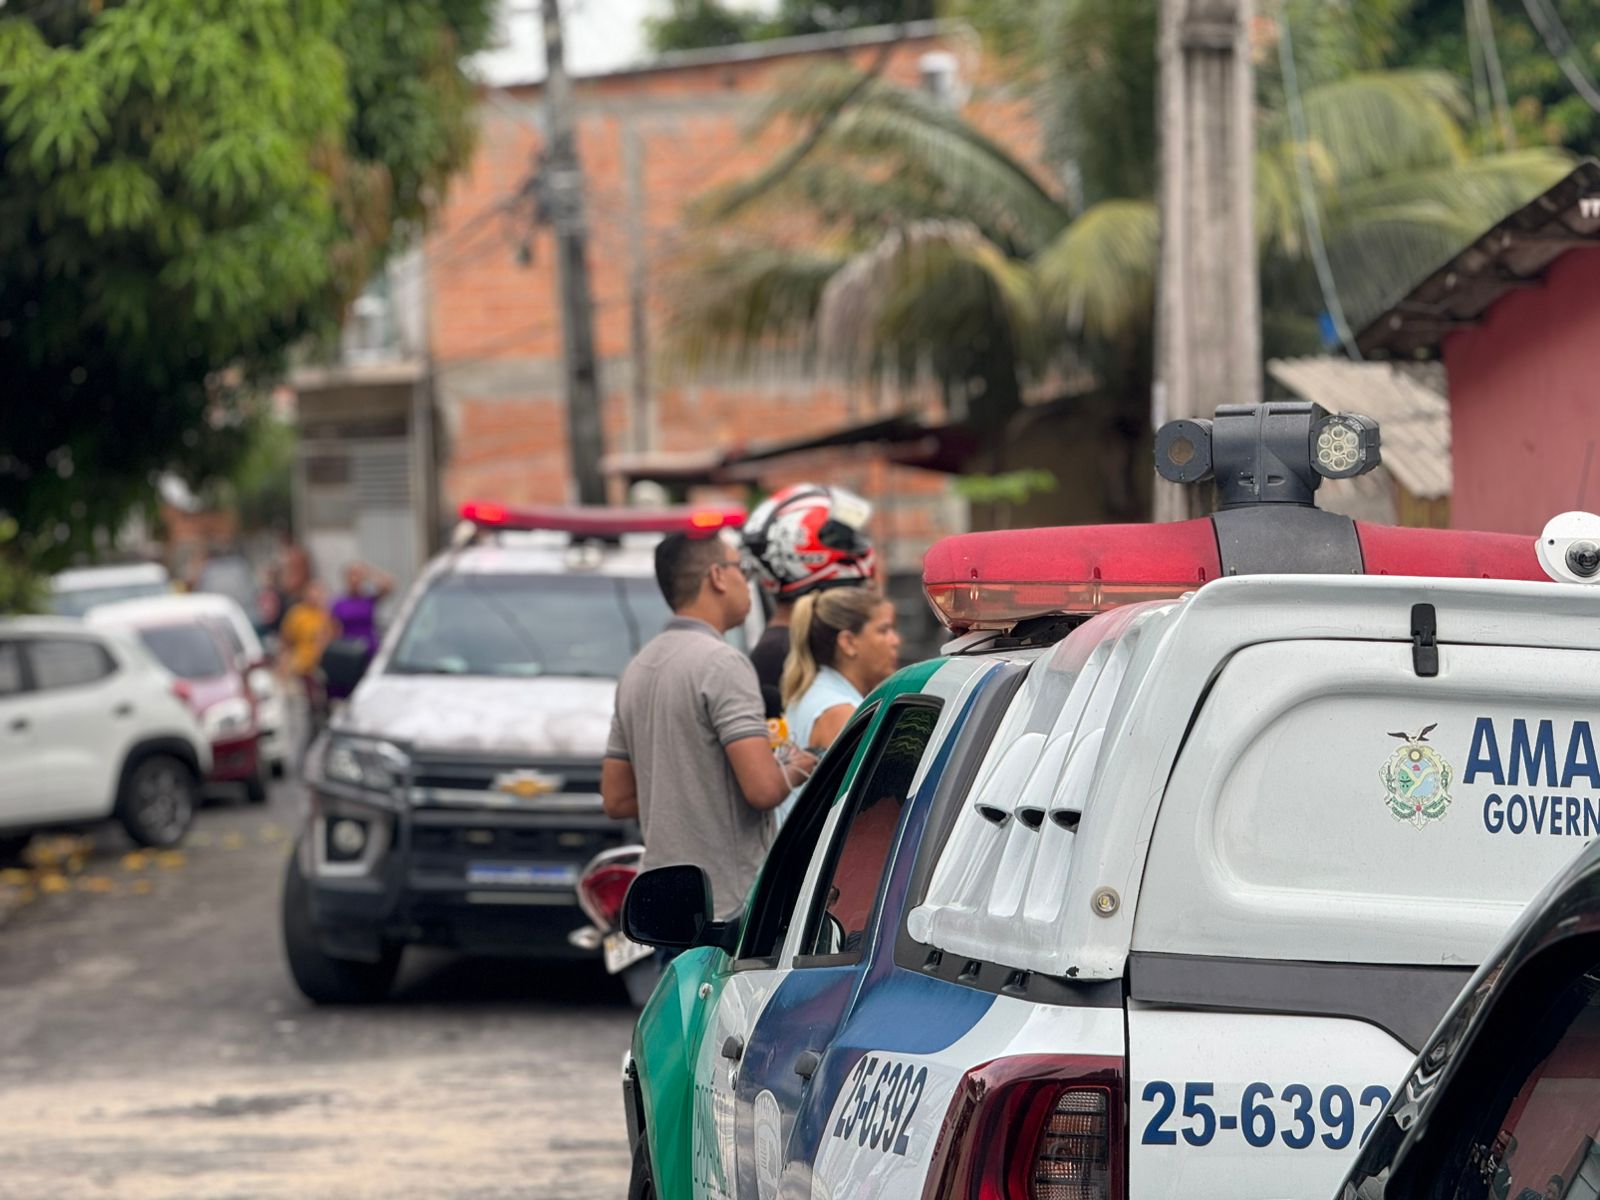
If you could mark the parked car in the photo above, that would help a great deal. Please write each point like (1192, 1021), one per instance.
(196, 650)
(244, 649)
(1155, 884)
(75, 592)
(455, 797)
(91, 728)
(1503, 1103)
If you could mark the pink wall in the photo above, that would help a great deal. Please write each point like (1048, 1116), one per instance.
(1525, 402)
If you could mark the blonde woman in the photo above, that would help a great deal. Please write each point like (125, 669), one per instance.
(842, 644)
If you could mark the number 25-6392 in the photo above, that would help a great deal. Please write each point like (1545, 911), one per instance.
(1329, 1116)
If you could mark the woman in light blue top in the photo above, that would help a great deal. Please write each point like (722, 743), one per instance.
(842, 644)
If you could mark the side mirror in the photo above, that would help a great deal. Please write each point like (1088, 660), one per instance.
(670, 908)
(344, 662)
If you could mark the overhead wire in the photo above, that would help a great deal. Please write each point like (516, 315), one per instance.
(1306, 187)
(1561, 47)
(1479, 10)
(1481, 110)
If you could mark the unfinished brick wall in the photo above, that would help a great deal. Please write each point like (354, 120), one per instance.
(651, 141)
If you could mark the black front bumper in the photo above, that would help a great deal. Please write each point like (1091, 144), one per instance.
(478, 880)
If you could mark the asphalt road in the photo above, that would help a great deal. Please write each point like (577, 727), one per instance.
(153, 1045)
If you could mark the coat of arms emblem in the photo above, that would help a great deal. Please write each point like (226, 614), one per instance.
(1417, 780)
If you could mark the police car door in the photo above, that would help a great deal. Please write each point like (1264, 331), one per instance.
(1343, 837)
(755, 969)
(826, 948)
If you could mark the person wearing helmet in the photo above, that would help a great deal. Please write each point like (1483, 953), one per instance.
(803, 539)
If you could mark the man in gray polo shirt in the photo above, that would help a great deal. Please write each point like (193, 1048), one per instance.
(688, 753)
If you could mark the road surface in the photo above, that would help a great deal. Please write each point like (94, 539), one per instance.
(153, 1045)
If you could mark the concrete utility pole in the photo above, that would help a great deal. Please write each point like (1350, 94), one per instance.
(1208, 315)
(563, 194)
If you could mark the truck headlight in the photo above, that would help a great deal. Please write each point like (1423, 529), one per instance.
(228, 719)
(357, 762)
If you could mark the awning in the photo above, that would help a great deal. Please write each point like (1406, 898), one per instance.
(1516, 253)
(1414, 418)
(901, 439)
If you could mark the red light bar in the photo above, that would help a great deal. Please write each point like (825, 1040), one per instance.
(602, 522)
(1448, 553)
(993, 580)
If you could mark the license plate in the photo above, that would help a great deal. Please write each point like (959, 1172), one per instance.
(622, 952)
(538, 875)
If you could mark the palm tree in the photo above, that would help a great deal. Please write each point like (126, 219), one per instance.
(903, 239)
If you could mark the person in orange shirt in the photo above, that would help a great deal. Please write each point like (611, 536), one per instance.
(307, 629)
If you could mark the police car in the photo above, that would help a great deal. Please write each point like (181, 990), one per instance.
(1504, 1101)
(1155, 884)
(455, 797)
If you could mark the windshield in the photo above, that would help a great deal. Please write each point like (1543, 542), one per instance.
(188, 651)
(77, 601)
(526, 625)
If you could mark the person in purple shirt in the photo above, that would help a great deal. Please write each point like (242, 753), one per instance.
(356, 612)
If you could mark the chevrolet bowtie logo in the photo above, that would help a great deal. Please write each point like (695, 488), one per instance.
(525, 785)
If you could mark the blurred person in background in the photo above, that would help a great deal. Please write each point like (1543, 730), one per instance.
(356, 612)
(842, 644)
(688, 754)
(304, 634)
(803, 539)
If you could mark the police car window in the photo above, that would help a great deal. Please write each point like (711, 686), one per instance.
(779, 888)
(67, 663)
(10, 669)
(1545, 1145)
(520, 626)
(860, 850)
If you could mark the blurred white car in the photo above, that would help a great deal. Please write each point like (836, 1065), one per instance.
(75, 592)
(242, 639)
(92, 727)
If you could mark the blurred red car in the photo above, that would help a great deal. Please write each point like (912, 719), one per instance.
(210, 681)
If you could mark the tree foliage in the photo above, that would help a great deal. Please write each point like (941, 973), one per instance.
(922, 243)
(1545, 110)
(190, 187)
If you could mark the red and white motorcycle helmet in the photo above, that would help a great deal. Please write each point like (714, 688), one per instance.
(808, 537)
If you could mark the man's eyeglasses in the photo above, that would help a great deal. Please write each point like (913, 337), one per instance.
(737, 564)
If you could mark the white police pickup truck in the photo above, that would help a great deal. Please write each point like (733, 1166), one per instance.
(455, 796)
(1153, 886)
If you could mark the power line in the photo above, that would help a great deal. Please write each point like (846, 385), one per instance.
(487, 350)
(1306, 189)
(1479, 10)
(1560, 45)
(1480, 70)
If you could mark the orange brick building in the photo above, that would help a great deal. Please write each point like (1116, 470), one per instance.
(651, 139)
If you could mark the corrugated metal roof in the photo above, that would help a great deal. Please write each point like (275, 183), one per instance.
(1514, 254)
(1414, 417)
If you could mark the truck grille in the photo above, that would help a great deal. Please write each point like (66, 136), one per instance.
(503, 784)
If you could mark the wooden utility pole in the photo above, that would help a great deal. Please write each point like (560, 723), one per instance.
(562, 182)
(1208, 315)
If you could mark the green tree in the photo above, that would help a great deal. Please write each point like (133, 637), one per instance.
(1545, 109)
(190, 188)
(923, 243)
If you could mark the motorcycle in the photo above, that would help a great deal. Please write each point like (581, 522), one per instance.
(602, 886)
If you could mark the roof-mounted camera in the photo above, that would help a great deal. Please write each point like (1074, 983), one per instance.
(1276, 453)
(1569, 548)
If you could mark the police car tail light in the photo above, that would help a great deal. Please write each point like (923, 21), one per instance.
(993, 580)
(1034, 1127)
(599, 522)
(602, 890)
